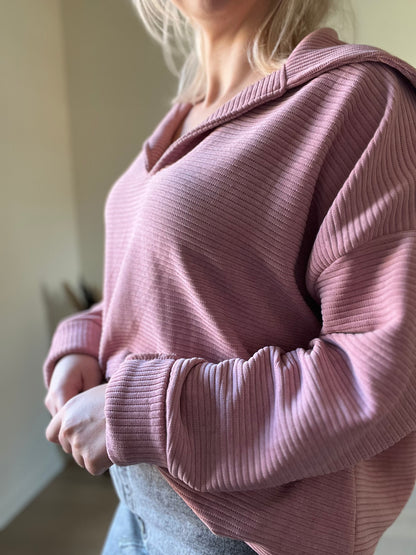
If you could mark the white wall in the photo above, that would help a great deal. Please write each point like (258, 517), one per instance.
(38, 236)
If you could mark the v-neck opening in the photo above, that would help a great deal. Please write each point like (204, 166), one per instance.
(159, 146)
(160, 143)
(161, 139)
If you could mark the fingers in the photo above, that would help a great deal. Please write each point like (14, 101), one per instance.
(73, 374)
(78, 458)
(56, 398)
(65, 443)
(53, 429)
(97, 467)
(79, 427)
(56, 434)
(49, 403)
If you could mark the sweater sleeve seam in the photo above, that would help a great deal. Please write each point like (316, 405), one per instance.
(354, 250)
(359, 246)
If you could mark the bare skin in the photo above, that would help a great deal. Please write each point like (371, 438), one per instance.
(226, 27)
(199, 113)
(79, 427)
(75, 399)
(72, 374)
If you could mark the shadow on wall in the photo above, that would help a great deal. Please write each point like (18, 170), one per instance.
(66, 300)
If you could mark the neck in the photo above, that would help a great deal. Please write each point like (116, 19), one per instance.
(227, 70)
(224, 49)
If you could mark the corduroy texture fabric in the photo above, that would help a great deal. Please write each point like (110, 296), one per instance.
(258, 324)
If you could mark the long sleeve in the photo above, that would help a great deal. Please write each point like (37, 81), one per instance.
(278, 416)
(79, 333)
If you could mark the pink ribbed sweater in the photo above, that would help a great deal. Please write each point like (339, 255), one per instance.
(258, 322)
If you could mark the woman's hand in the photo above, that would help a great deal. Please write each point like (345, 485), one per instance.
(79, 426)
(72, 374)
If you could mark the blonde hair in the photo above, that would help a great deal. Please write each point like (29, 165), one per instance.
(285, 25)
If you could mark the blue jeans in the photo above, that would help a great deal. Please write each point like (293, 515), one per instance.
(152, 519)
(126, 534)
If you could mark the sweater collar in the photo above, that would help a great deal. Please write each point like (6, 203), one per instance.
(317, 53)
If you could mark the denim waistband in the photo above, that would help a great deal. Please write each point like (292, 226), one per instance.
(170, 525)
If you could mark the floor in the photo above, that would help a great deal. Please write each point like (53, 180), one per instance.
(76, 527)
(79, 526)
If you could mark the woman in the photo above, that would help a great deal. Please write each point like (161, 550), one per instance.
(256, 333)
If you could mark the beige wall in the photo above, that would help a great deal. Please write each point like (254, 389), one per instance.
(81, 87)
(118, 90)
(38, 236)
(388, 25)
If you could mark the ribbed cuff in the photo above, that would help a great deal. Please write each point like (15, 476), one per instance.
(135, 410)
(71, 337)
